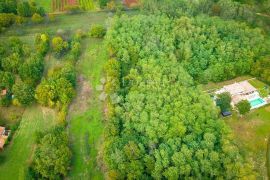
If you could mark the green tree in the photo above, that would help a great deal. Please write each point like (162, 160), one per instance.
(224, 101)
(59, 46)
(36, 18)
(24, 9)
(31, 70)
(97, 31)
(52, 155)
(243, 107)
(23, 94)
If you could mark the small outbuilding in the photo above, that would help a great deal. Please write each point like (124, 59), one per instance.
(226, 113)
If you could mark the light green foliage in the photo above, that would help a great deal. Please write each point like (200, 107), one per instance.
(36, 18)
(97, 31)
(23, 94)
(243, 107)
(52, 156)
(59, 46)
(42, 43)
(87, 4)
(58, 89)
(165, 127)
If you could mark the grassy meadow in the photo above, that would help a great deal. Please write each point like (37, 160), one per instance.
(251, 133)
(16, 156)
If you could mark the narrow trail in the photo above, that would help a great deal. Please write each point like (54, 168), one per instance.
(85, 113)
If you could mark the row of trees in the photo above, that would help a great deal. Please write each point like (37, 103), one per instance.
(162, 126)
(16, 12)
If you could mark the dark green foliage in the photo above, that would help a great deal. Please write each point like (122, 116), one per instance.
(52, 155)
(8, 6)
(217, 50)
(243, 107)
(97, 31)
(163, 126)
(32, 69)
(24, 9)
(23, 94)
(7, 80)
(103, 3)
(224, 101)
(261, 69)
(28, 9)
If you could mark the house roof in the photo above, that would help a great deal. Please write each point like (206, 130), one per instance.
(2, 130)
(2, 142)
(239, 88)
(130, 3)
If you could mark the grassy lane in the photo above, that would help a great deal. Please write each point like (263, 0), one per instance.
(16, 155)
(86, 113)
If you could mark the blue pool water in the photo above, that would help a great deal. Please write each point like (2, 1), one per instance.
(256, 102)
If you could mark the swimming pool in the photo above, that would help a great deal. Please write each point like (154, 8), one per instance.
(255, 103)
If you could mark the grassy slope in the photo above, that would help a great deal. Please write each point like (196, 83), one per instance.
(86, 128)
(16, 155)
(251, 132)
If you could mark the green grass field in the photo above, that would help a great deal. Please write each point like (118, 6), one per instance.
(16, 156)
(46, 4)
(86, 120)
(251, 132)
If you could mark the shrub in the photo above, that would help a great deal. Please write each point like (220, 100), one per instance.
(6, 20)
(103, 3)
(36, 18)
(59, 46)
(243, 107)
(19, 20)
(97, 31)
(51, 17)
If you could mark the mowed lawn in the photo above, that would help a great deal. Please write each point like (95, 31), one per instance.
(17, 155)
(251, 133)
(86, 125)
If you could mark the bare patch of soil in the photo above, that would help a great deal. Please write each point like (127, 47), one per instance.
(81, 103)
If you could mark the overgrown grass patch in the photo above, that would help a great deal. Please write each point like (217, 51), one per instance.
(251, 133)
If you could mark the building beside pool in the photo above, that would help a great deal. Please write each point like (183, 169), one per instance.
(3, 136)
(243, 91)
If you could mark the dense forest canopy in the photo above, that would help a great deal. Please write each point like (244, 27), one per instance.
(164, 126)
